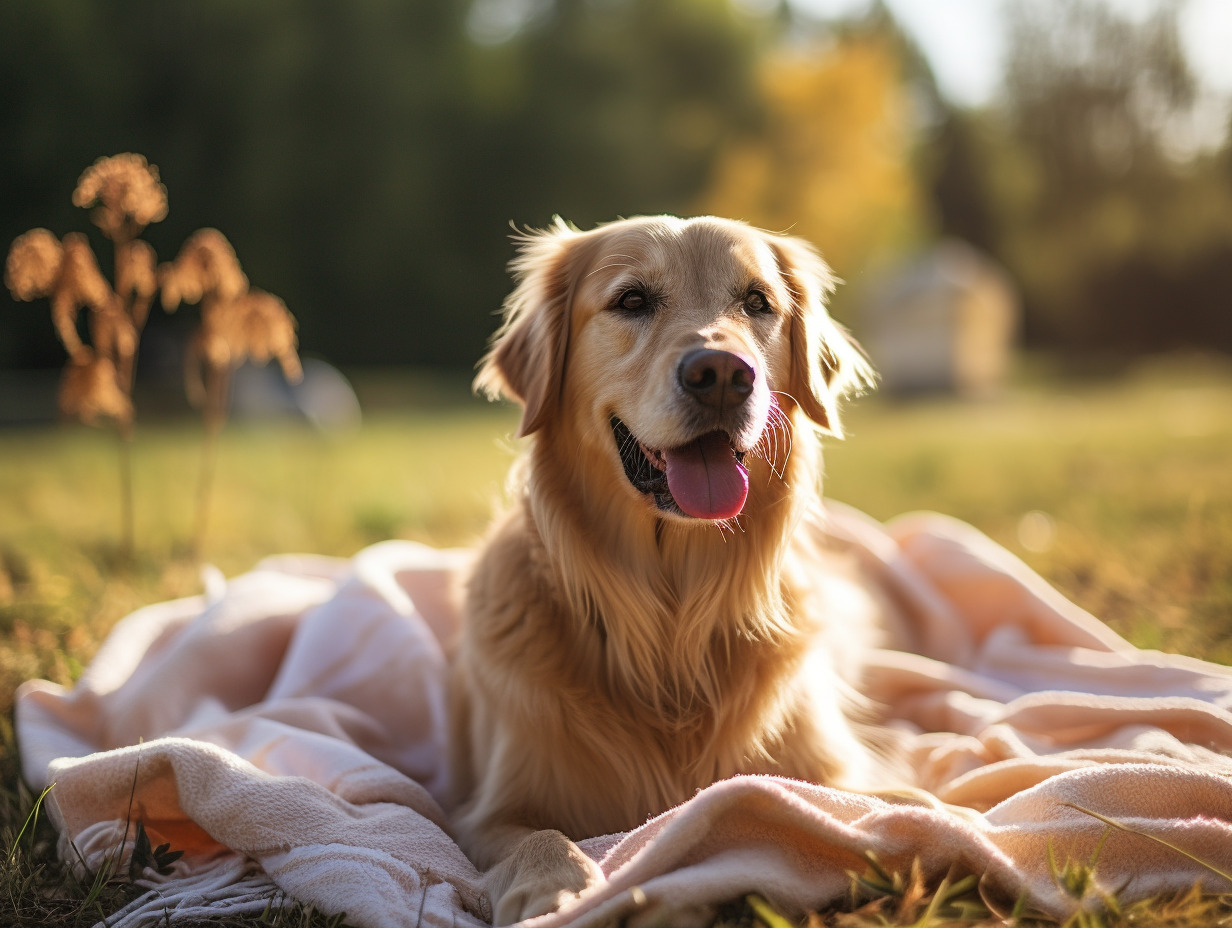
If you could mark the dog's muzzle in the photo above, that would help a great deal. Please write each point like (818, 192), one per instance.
(704, 479)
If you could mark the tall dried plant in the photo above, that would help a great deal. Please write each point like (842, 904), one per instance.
(124, 195)
(237, 324)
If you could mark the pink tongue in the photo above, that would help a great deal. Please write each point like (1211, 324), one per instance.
(705, 478)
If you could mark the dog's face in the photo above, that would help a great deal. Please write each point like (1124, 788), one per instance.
(678, 350)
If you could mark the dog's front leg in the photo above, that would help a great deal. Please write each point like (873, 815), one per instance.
(539, 872)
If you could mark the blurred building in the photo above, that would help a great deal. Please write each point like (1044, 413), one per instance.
(323, 398)
(945, 322)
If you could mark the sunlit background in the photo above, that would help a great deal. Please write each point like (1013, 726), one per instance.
(367, 158)
(1029, 203)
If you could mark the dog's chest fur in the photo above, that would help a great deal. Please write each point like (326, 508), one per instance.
(644, 716)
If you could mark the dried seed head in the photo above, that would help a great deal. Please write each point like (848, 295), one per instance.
(127, 191)
(89, 391)
(257, 326)
(205, 266)
(80, 283)
(269, 327)
(33, 265)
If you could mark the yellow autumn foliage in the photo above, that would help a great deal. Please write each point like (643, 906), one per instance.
(833, 160)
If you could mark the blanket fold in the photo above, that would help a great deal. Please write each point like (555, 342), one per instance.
(287, 731)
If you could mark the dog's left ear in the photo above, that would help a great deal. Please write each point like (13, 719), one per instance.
(826, 362)
(526, 360)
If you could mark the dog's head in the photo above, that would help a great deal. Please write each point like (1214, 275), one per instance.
(674, 347)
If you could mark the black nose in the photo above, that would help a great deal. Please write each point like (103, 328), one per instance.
(719, 379)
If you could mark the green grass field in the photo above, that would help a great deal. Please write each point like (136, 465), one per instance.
(1118, 491)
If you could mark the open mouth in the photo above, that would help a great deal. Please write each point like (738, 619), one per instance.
(705, 478)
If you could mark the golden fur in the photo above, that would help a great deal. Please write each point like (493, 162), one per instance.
(618, 655)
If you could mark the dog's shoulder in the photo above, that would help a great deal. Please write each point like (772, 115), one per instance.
(508, 573)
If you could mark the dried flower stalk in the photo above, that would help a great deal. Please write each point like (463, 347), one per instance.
(237, 324)
(125, 195)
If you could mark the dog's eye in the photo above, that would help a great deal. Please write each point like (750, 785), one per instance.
(633, 301)
(756, 302)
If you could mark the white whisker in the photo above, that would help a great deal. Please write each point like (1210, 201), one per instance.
(613, 264)
(775, 444)
(606, 267)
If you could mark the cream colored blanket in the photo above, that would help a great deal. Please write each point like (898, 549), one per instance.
(286, 731)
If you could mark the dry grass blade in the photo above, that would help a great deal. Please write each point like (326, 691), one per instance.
(881, 896)
(29, 824)
(765, 913)
(1121, 826)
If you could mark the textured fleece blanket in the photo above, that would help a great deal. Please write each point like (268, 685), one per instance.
(286, 731)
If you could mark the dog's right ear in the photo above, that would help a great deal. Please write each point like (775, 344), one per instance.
(526, 359)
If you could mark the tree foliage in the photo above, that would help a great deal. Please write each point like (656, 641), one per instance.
(368, 157)
(1088, 182)
(832, 159)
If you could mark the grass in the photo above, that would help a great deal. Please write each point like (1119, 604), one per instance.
(1118, 491)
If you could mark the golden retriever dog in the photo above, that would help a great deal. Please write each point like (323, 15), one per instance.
(654, 613)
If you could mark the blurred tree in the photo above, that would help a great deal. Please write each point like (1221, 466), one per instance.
(367, 157)
(833, 160)
(1091, 184)
(594, 109)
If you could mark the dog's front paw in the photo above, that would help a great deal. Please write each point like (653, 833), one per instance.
(545, 871)
(523, 902)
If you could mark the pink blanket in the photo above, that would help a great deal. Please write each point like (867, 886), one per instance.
(286, 730)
